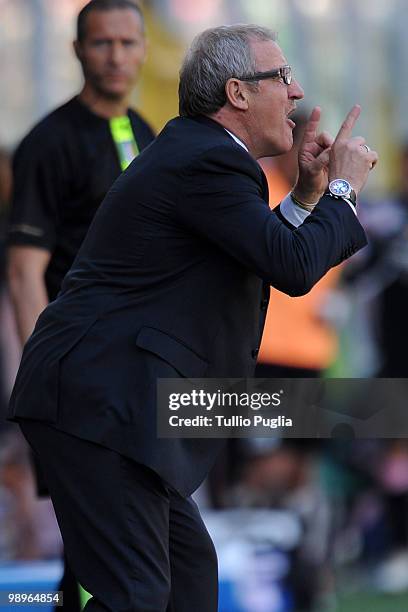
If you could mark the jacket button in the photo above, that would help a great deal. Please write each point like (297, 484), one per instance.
(255, 353)
(264, 304)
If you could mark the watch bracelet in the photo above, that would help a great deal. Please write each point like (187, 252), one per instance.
(336, 197)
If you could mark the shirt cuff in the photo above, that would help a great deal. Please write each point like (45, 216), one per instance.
(292, 213)
(296, 215)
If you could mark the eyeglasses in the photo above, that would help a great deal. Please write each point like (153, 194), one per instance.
(284, 73)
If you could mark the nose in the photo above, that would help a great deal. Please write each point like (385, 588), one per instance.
(116, 55)
(295, 92)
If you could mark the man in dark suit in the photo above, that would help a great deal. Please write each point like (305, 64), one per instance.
(172, 281)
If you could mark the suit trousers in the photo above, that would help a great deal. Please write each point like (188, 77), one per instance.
(132, 541)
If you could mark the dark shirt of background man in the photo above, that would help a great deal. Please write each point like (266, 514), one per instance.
(62, 171)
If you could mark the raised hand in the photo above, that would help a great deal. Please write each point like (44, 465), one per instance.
(349, 157)
(313, 161)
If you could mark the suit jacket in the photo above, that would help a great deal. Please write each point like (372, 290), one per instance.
(172, 280)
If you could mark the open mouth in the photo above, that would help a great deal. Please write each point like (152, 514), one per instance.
(291, 123)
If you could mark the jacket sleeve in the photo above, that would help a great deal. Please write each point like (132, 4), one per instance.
(221, 200)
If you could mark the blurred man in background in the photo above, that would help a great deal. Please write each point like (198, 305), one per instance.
(66, 164)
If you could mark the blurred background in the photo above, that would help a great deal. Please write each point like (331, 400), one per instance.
(298, 525)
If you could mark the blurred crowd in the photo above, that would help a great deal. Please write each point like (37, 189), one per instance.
(339, 507)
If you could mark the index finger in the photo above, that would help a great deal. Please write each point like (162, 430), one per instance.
(349, 122)
(309, 133)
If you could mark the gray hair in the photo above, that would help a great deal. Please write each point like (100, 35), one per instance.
(216, 55)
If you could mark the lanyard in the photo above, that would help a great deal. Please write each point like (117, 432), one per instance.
(124, 139)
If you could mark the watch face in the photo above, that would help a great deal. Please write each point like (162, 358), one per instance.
(340, 187)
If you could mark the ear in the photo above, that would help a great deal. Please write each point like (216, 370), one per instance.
(237, 94)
